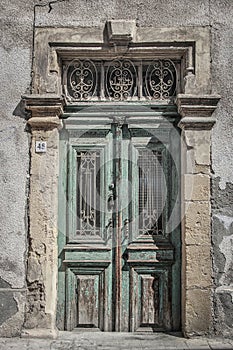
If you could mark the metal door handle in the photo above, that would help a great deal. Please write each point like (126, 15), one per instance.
(109, 224)
(110, 202)
(126, 227)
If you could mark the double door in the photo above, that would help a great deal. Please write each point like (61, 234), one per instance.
(119, 242)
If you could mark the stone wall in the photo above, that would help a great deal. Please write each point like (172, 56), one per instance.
(16, 52)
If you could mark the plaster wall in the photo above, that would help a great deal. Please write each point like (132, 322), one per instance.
(17, 19)
(15, 60)
(222, 165)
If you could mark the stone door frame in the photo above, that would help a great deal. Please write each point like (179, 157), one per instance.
(195, 104)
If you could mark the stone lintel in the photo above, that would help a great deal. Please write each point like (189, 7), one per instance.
(45, 110)
(196, 110)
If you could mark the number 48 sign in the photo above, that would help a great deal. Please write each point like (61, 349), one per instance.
(41, 146)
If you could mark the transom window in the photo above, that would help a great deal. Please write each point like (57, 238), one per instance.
(121, 80)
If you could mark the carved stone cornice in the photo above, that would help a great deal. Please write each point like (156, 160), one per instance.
(45, 111)
(45, 123)
(196, 110)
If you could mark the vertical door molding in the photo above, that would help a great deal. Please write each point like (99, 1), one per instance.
(196, 124)
(43, 203)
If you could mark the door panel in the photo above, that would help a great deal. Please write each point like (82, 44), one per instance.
(121, 262)
(150, 299)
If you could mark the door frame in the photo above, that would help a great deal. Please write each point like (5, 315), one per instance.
(164, 263)
(195, 105)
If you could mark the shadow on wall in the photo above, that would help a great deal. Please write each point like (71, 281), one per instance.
(8, 305)
(20, 111)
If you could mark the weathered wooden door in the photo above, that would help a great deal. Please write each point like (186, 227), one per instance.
(119, 246)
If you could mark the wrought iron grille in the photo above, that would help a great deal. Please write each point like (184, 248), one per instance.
(82, 80)
(88, 180)
(151, 196)
(120, 80)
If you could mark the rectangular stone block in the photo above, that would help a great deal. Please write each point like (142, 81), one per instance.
(198, 266)
(191, 166)
(198, 319)
(199, 140)
(197, 223)
(196, 187)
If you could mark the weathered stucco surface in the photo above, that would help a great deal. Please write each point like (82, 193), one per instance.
(15, 52)
(222, 165)
(16, 20)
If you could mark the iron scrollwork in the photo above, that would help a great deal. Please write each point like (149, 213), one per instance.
(121, 80)
(82, 79)
(160, 79)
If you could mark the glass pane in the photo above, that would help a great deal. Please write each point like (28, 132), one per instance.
(151, 196)
(88, 180)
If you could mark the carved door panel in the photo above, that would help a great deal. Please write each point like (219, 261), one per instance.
(120, 259)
